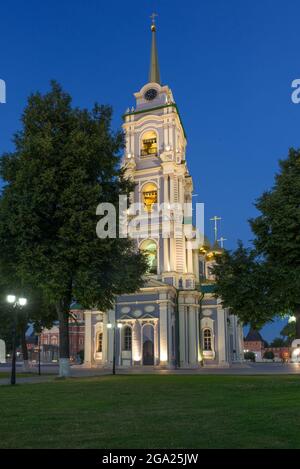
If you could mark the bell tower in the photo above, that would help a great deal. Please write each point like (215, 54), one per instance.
(155, 160)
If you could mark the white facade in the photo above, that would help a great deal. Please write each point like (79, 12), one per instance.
(168, 323)
(2, 351)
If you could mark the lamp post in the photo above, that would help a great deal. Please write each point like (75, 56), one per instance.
(114, 327)
(15, 302)
(39, 353)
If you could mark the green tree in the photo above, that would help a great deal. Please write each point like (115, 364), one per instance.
(249, 356)
(269, 355)
(278, 342)
(244, 287)
(277, 234)
(65, 163)
(288, 332)
(37, 313)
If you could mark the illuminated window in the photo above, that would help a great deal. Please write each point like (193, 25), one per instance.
(99, 342)
(150, 249)
(149, 196)
(127, 338)
(149, 144)
(207, 342)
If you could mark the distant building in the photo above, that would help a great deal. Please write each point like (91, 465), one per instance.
(49, 339)
(280, 353)
(254, 343)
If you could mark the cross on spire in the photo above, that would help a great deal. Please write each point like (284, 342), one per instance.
(215, 219)
(221, 241)
(154, 75)
(153, 16)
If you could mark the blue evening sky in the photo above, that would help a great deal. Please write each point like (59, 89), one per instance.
(230, 64)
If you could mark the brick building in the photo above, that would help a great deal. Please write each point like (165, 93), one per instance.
(49, 339)
(254, 343)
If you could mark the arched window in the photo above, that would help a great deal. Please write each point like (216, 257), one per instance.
(149, 144)
(99, 342)
(149, 247)
(127, 338)
(207, 341)
(149, 196)
(54, 340)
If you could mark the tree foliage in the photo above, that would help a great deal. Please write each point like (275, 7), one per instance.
(288, 332)
(66, 162)
(242, 285)
(263, 282)
(277, 234)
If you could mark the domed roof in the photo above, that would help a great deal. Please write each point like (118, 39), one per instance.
(205, 246)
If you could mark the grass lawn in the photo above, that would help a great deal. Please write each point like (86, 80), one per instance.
(171, 411)
(6, 374)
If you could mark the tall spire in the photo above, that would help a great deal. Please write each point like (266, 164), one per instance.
(154, 76)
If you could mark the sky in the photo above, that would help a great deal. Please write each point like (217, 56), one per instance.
(229, 63)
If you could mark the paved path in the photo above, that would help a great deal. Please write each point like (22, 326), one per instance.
(79, 371)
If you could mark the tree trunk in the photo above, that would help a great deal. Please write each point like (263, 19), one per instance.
(297, 316)
(64, 353)
(24, 347)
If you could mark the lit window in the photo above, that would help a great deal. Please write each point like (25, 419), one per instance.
(207, 343)
(127, 338)
(149, 196)
(150, 249)
(99, 342)
(149, 144)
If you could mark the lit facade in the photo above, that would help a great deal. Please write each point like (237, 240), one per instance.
(170, 322)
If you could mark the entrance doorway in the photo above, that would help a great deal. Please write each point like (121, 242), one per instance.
(148, 345)
(148, 353)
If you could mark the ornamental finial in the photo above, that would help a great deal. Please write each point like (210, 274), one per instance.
(153, 26)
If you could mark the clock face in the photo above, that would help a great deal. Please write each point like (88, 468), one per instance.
(150, 94)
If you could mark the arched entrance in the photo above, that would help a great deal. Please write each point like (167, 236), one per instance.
(148, 344)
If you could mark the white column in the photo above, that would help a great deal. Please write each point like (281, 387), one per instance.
(132, 144)
(172, 200)
(196, 264)
(184, 255)
(189, 258)
(166, 141)
(221, 335)
(136, 342)
(88, 338)
(166, 255)
(182, 335)
(110, 338)
(156, 344)
(105, 339)
(163, 333)
(120, 331)
(166, 189)
(192, 336)
(181, 191)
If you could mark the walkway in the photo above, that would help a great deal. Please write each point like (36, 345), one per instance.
(49, 372)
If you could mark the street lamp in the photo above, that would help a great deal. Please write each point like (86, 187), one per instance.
(15, 302)
(114, 327)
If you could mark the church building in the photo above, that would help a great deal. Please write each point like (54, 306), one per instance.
(174, 321)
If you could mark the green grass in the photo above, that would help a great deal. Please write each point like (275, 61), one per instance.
(153, 411)
(6, 374)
